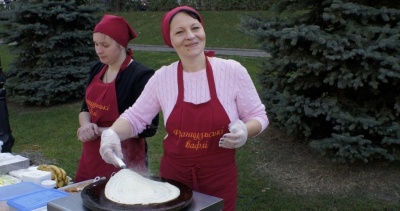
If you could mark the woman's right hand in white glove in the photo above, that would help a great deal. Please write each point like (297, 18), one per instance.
(110, 145)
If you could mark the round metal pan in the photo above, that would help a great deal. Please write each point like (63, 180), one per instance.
(93, 198)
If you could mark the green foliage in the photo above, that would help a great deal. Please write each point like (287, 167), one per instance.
(6, 58)
(53, 42)
(163, 5)
(231, 5)
(203, 5)
(334, 76)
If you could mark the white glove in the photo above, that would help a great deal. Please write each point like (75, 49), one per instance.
(110, 145)
(237, 136)
(87, 132)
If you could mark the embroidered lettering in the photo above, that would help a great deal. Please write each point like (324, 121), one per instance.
(93, 113)
(196, 145)
(94, 105)
(197, 135)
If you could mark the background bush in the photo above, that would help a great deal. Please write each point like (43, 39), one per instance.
(334, 75)
(52, 41)
(204, 5)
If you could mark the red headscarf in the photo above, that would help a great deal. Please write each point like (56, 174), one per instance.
(117, 28)
(167, 20)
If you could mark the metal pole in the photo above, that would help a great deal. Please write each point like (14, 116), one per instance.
(5, 130)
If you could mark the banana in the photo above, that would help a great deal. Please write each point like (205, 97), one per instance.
(60, 184)
(57, 174)
(58, 179)
(46, 167)
(66, 180)
(56, 169)
(53, 174)
(62, 175)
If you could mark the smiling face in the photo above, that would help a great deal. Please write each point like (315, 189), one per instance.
(187, 35)
(107, 49)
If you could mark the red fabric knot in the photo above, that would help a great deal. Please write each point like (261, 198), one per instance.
(209, 53)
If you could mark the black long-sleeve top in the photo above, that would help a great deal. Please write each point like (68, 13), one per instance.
(129, 85)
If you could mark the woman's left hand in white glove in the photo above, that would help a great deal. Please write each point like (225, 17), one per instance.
(237, 136)
(87, 132)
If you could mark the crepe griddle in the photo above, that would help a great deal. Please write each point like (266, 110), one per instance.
(93, 198)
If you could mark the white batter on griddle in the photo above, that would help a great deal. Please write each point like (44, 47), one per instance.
(129, 187)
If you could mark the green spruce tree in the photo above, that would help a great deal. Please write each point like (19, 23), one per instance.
(52, 41)
(334, 75)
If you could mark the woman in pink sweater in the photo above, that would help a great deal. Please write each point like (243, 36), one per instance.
(210, 107)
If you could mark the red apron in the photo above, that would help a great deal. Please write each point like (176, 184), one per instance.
(102, 103)
(191, 152)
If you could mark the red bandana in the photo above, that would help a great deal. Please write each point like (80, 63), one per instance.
(117, 28)
(167, 20)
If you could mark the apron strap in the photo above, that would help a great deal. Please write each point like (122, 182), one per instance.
(123, 65)
(127, 60)
(210, 79)
(180, 82)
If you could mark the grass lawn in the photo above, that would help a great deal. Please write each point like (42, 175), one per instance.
(217, 25)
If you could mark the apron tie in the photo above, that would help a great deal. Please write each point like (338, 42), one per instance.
(193, 171)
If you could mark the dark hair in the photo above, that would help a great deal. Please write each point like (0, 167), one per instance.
(189, 12)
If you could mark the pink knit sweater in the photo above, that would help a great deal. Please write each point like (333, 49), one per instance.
(235, 90)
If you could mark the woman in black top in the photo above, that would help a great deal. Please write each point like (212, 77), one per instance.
(114, 84)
